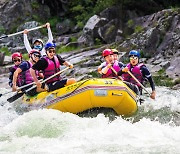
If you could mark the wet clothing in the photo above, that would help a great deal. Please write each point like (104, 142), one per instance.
(50, 67)
(25, 77)
(110, 74)
(53, 68)
(136, 72)
(143, 74)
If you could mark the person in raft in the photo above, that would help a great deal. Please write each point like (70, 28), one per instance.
(139, 70)
(38, 43)
(110, 67)
(50, 65)
(17, 59)
(22, 74)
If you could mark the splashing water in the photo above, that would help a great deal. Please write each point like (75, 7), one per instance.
(154, 129)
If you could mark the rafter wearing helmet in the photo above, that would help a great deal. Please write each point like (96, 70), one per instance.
(37, 43)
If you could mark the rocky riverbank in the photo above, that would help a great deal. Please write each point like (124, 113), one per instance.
(156, 36)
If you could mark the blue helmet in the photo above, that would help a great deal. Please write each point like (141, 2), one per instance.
(50, 45)
(134, 53)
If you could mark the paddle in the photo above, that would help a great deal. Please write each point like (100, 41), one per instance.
(138, 82)
(15, 97)
(116, 73)
(18, 95)
(47, 79)
(5, 36)
(19, 88)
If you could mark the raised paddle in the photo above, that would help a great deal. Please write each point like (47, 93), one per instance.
(19, 94)
(31, 29)
(138, 82)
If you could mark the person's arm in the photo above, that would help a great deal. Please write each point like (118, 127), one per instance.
(100, 67)
(106, 68)
(26, 41)
(10, 79)
(11, 73)
(123, 70)
(33, 74)
(68, 64)
(40, 65)
(148, 75)
(15, 76)
(50, 36)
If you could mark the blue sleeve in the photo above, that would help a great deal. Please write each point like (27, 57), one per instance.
(146, 74)
(121, 65)
(24, 66)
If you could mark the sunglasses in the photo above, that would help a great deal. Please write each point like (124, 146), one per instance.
(133, 57)
(51, 51)
(15, 60)
(37, 55)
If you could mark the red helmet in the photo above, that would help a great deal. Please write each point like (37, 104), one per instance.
(16, 54)
(107, 52)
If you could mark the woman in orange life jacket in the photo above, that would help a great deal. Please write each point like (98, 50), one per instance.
(111, 65)
(22, 74)
(139, 70)
(50, 65)
(17, 59)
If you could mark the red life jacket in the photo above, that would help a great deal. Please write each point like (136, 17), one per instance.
(135, 70)
(110, 73)
(53, 68)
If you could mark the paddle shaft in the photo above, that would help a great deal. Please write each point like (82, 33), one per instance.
(19, 88)
(116, 73)
(22, 32)
(48, 79)
(138, 82)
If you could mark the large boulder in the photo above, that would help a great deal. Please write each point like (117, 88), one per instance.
(107, 26)
(18, 11)
(158, 39)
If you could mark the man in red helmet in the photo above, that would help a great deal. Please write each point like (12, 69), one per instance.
(110, 67)
(38, 43)
(17, 59)
(22, 74)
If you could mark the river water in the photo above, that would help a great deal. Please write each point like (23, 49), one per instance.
(154, 129)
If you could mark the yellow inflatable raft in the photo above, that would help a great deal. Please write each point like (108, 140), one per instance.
(86, 94)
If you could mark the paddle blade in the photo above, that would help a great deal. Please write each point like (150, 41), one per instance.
(4, 36)
(15, 97)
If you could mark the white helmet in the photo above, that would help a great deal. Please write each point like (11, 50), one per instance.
(38, 40)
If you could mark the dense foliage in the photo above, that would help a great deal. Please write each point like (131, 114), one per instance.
(80, 11)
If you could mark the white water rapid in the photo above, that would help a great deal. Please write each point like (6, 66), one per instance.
(154, 129)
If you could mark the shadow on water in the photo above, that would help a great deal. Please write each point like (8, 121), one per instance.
(108, 112)
(163, 115)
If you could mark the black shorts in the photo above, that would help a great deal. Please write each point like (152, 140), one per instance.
(57, 84)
